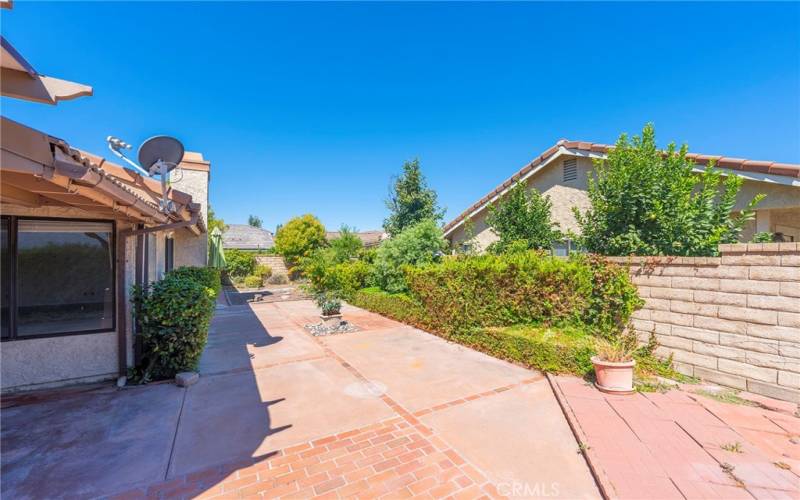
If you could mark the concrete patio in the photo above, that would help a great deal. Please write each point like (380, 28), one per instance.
(389, 410)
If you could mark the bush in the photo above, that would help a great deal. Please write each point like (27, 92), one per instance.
(560, 350)
(263, 270)
(278, 279)
(174, 314)
(299, 237)
(420, 244)
(253, 281)
(398, 306)
(206, 276)
(530, 287)
(555, 350)
(239, 263)
(522, 217)
(645, 201)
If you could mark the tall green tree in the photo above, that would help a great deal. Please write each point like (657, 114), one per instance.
(647, 201)
(254, 221)
(522, 218)
(410, 200)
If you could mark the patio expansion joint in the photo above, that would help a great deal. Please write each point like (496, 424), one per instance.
(175, 435)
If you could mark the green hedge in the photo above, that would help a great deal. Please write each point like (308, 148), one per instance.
(560, 350)
(556, 350)
(398, 306)
(527, 287)
(174, 315)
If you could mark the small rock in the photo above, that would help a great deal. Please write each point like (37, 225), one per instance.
(185, 379)
(122, 381)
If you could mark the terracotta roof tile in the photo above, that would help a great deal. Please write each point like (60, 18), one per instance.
(785, 169)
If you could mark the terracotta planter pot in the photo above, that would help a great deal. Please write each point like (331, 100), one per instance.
(614, 378)
(332, 320)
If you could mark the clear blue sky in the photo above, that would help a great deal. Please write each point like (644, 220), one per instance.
(312, 107)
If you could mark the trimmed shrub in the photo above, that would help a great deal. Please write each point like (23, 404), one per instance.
(555, 350)
(206, 276)
(528, 287)
(559, 350)
(398, 306)
(239, 263)
(253, 281)
(174, 314)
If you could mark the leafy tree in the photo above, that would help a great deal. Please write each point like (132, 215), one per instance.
(346, 246)
(254, 221)
(522, 218)
(214, 222)
(299, 237)
(410, 200)
(646, 201)
(419, 244)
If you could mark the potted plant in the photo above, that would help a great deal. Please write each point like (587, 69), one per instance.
(331, 306)
(613, 365)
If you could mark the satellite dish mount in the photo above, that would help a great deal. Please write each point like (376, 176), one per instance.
(158, 155)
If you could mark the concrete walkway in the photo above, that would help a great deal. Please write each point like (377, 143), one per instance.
(389, 410)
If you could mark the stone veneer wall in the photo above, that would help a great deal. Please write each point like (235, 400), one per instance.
(732, 320)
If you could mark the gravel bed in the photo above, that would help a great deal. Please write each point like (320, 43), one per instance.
(321, 330)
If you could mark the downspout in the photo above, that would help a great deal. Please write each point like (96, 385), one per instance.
(122, 323)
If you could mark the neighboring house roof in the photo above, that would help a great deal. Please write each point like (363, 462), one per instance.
(246, 237)
(18, 79)
(565, 146)
(368, 238)
(39, 169)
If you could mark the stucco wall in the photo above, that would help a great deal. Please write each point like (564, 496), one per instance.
(733, 320)
(566, 195)
(192, 250)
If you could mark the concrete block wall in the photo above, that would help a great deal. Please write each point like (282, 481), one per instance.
(275, 262)
(732, 320)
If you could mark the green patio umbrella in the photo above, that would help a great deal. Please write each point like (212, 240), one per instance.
(216, 256)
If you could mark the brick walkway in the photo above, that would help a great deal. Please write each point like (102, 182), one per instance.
(683, 445)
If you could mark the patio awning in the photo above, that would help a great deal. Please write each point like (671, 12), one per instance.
(18, 79)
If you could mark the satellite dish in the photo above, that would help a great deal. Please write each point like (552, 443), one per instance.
(160, 154)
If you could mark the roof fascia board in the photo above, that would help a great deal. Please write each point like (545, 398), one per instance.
(561, 151)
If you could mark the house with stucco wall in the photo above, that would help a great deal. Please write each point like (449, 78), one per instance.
(77, 232)
(562, 173)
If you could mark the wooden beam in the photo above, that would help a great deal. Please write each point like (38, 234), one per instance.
(17, 196)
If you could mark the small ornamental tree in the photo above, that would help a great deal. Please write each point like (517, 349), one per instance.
(346, 246)
(299, 238)
(410, 200)
(645, 201)
(522, 219)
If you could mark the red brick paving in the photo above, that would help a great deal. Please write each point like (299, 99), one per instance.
(670, 445)
(392, 458)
